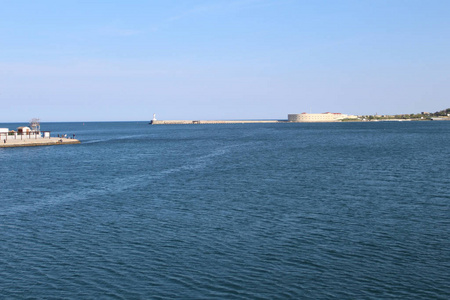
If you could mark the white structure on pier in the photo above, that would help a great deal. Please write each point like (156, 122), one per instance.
(23, 133)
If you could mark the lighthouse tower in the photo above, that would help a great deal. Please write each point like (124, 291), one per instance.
(154, 119)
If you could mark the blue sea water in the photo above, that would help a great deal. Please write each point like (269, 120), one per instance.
(254, 211)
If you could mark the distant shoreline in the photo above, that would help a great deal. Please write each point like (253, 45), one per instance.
(188, 122)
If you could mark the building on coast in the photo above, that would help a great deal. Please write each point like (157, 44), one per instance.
(325, 117)
(4, 132)
(32, 135)
(24, 132)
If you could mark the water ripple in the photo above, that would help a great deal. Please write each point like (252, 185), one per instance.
(201, 212)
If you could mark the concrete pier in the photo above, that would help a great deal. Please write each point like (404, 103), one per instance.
(37, 142)
(180, 122)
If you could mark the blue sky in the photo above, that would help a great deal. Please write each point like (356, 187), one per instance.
(221, 59)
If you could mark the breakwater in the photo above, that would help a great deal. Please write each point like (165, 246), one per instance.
(38, 142)
(179, 122)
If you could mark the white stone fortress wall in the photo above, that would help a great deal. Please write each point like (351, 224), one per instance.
(326, 117)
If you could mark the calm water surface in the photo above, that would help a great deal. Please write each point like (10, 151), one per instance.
(256, 211)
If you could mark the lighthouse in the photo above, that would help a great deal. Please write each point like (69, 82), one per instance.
(154, 119)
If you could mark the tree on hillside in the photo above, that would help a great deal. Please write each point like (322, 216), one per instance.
(443, 112)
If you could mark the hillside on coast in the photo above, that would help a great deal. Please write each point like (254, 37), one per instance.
(418, 116)
(441, 113)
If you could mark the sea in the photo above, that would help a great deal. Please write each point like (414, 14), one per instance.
(357, 210)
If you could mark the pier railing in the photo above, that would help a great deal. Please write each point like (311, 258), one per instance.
(24, 135)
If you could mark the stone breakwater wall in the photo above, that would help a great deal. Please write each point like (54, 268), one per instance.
(179, 122)
(37, 142)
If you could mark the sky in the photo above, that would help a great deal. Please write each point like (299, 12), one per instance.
(111, 60)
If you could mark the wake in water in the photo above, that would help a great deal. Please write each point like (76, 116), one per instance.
(115, 138)
(119, 184)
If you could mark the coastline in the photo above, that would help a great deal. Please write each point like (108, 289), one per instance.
(187, 122)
